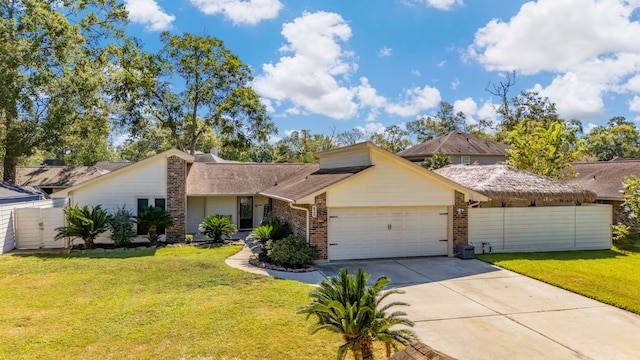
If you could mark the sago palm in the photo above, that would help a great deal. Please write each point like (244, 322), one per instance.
(217, 226)
(84, 222)
(347, 305)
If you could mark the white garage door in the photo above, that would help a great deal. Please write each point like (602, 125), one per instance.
(382, 232)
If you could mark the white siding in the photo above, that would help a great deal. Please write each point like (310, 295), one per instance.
(389, 183)
(7, 219)
(359, 157)
(552, 228)
(125, 187)
(195, 213)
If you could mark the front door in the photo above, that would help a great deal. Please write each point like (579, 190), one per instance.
(245, 210)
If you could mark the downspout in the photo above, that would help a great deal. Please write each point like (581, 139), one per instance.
(307, 218)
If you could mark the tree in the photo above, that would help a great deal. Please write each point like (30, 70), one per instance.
(436, 161)
(348, 306)
(393, 139)
(217, 226)
(352, 137)
(631, 197)
(52, 74)
(84, 222)
(443, 122)
(300, 146)
(153, 221)
(619, 138)
(216, 92)
(543, 150)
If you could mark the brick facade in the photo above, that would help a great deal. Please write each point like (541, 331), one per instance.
(460, 221)
(297, 219)
(176, 197)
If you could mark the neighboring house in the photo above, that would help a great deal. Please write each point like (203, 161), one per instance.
(112, 165)
(55, 178)
(11, 193)
(359, 202)
(605, 179)
(461, 148)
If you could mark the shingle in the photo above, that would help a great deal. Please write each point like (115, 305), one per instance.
(459, 143)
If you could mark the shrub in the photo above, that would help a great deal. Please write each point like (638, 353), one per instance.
(623, 235)
(292, 251)
(154, 219)
(217, 226)
(121, 226)
(84, 222)
(272, 228)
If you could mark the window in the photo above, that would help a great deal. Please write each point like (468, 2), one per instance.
(143, 204)
(465, 159)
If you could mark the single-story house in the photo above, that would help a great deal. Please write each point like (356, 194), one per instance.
(605, 179)
(462, 148)
(11, 193)
(54, 178)
(358, 202)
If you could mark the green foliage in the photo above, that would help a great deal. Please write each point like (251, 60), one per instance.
(393, 139)
(53, 83)
(300, 147)
(188, 239)
(121, 226)
(631, 198)
(436, 161)
(217, 226)
(444, 121)
(619, 138)
(292, 251)
(348, 306)
(216, 92)
(545, 151)
(272, 228)
(623, 236)
(86, 223)
(155, 220)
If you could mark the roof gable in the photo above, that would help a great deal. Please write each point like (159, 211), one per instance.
(457, 143)
(605, 178)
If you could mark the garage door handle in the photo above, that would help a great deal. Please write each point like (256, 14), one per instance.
(331, 244)
(443, 240)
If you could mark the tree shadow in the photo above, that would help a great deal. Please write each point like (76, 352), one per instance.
(94, 254)
(556, 255)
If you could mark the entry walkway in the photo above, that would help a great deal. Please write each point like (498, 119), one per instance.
(473, 310)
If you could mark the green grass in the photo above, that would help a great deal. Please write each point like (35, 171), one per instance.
(610, 276)
(179, 303)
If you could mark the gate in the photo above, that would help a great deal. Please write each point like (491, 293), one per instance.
(35, 228)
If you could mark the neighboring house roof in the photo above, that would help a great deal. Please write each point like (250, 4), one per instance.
(605, 178)
(310, 181)
(238, 178)
(113, 165)
(502, 182)
(10, 193)
(56, 176)
(420, 351)
(456, 143)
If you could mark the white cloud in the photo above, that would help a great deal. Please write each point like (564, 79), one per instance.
(553, 35)
(414, 101)
(240, 12)
(267, 103)
(455, 83)
(467, 106)
(589, 128)
(307, 78)
(385, 51)
(442, 63)
(634, 105)
(369, 97)
(289, 132)
(440, 4)
(149, 14)
(372, 128)
(416, 73)
(488, 112)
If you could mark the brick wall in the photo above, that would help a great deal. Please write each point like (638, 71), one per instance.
(297, 219)
(176, 197)
(460, 221)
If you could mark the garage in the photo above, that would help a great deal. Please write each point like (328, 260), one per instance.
(383, 232)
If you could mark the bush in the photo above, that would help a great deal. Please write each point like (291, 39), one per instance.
(292, 251)
(155, 220)
(217, 226)
(271, 228)
(623, 235)
(121, 226)
(84, 222)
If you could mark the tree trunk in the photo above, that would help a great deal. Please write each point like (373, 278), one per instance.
(367, 349)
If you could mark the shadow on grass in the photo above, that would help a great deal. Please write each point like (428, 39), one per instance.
(558, 255)
(93, 254)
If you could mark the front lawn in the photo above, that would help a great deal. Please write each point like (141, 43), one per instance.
(179, 303)
(610, 276)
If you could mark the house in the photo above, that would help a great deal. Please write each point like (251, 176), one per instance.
(605, 179)
(54, 178)
(358, 202)
(461, 148)
(11, 193)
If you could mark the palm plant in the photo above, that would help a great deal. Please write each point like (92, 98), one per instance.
(348, 306)
(217, 226)
(155, 220)
(84, 222)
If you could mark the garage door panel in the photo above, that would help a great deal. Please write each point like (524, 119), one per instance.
(379, 232)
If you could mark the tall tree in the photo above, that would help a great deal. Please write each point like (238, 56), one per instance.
(216, 92)
(393, 139)
(444, 121)
(300, 146)
(52, 71)
(619, 138)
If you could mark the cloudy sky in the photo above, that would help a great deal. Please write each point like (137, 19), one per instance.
(325, 65)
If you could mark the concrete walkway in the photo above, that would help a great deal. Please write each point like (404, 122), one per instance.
(473, 310)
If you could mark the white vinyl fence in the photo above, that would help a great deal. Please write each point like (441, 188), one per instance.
(11, 235)
(531, 229)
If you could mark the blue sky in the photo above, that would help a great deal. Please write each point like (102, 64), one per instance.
(325, 65)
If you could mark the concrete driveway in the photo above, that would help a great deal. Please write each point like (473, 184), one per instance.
(473, 310)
